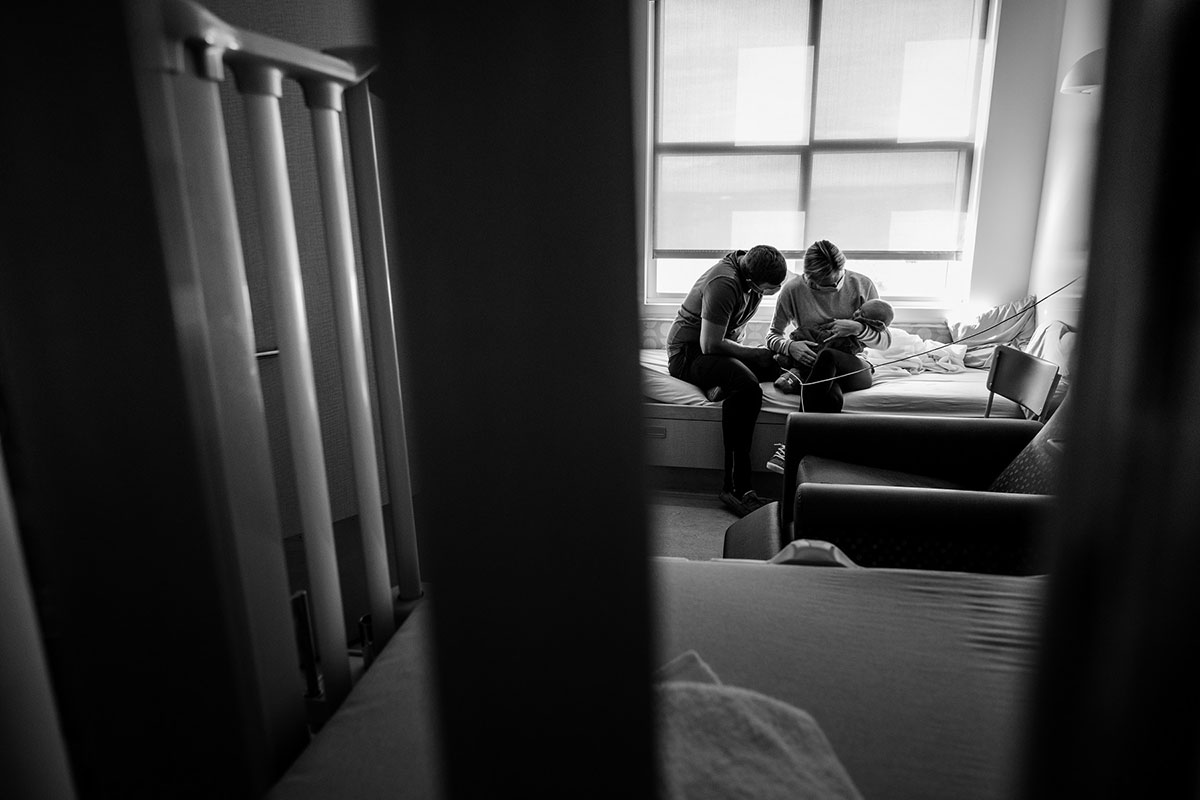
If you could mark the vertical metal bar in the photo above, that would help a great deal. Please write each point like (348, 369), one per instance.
(39, 766)
(262, 88)
(184, 132)
(360, 116)
(650, 158)
(324, 99)
(815, 11)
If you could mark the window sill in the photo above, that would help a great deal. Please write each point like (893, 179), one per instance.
(908, 312)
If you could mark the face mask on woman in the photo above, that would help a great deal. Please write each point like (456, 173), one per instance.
(826, 281)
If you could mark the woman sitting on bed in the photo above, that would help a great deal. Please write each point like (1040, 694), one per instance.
(825, 297)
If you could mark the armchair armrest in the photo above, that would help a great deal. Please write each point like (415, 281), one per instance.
(756, 535)
(918, 528)
(971, 450)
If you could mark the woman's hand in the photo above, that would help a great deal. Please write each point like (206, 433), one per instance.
(802, 352)
(845, 327)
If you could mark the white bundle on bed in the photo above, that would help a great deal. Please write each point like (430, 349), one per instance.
(909, 354)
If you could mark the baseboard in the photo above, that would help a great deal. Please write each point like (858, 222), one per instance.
(706, 481)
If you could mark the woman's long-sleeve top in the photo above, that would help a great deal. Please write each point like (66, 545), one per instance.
(797, 305)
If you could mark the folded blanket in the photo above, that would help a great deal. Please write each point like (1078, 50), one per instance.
(722, 742)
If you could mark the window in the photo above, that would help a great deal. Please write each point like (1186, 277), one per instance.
(787, 121)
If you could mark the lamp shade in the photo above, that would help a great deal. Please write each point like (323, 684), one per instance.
(1085, 75)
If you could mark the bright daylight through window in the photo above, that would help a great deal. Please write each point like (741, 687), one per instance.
(784, 121)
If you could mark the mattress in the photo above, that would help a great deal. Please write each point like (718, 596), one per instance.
(895, 390)
(918, 679)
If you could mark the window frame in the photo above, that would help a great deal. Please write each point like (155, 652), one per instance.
(966, 149)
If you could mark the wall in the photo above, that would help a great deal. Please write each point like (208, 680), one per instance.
(310, 23)
(639, 31)
(1012, 160)
(1061, 250)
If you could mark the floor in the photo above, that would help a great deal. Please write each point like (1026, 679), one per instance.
(688, 525)
(683, 523)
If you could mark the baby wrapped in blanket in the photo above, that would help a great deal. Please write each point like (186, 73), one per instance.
(875, 314)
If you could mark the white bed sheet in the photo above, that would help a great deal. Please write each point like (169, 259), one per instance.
(895, 390)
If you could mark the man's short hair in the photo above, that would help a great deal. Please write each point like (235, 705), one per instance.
(765, 264)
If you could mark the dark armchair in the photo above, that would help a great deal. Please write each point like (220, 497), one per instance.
(893, 490)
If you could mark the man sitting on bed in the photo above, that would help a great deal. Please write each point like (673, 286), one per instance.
(704, 348)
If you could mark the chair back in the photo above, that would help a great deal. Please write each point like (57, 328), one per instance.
(1023, 378)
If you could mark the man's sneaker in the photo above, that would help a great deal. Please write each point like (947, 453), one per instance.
(775, 463)
(752, 501)
(789, 382)
(743, 505)
(733, 503)
(714, 393)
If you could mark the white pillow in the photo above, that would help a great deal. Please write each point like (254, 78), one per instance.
(1054, 341)
(1007, 323)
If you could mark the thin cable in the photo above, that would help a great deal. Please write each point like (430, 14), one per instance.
(872, 367)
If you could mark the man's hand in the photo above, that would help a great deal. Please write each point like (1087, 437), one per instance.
(762, 360)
